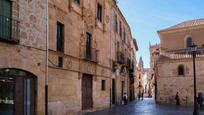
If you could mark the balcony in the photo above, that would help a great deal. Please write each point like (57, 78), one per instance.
(132, 80)
(131, 69)
(114, 67)
(120, 58)
(9, 30)
(183, 53)
(128, 63)
(90, 54)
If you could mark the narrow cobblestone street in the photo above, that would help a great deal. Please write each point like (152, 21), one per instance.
(145, 107)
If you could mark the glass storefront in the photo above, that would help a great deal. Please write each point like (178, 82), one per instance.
(17, 92)
(7, 96)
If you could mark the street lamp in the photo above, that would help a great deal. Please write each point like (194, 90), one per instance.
(193, 49)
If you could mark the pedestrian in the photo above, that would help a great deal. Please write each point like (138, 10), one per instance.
(142, 94)
(125, 98)
(177, 99)
(139, 94)
(200, 100)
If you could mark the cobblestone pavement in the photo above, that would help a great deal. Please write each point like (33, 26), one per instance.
(146, 107)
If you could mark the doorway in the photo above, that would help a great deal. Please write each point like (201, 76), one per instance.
(122, 89)
(17, 92)
(113, 91)
(87, 92)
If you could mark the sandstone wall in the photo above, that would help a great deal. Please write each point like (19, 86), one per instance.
(77, 20)
(175, 40)
(29, 54)
(169, 82)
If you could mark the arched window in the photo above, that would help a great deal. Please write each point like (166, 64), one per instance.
(189, 42)
(180, 70)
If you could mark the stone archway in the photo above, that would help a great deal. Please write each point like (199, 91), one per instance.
(17, 92)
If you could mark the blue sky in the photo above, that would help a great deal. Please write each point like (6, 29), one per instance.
(146, 17)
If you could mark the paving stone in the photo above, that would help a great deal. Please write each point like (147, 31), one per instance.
(146, 107)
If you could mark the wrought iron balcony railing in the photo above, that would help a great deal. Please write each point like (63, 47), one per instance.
(183, 53)
(128, 63)
(9, 29)
(132, 67)
(132, 80)
(120, 57)
(90, 54)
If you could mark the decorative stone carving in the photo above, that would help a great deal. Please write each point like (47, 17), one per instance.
(87, 68)
(107, 19)
(89, 19)
(68, 63)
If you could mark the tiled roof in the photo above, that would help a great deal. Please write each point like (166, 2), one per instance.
(189, 23)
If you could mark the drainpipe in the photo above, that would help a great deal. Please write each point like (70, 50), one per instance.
(111, 58)
(46, 65)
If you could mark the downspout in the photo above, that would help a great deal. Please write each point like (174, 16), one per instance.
(46, 65)
(111, 56)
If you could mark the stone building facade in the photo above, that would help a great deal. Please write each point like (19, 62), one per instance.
(22, 59)
(91, 56)
(139, 78)
(154, 54)
(175, 65)
(148, 83)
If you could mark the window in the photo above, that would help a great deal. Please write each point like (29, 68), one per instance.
(60, 62)
(99, 12)
(122, 88)
(88, 45)
(116, 24)
(77, 2)
(103, 85)
(60, 37)
(124, 35)
(180, 70)
(120, 29)
(5, 19)
(189, 42)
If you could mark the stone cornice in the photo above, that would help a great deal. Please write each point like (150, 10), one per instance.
(180, 60)
(180, 29)
(180, 77)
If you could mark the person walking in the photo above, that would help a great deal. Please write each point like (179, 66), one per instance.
(177, 99)
(139, 95)
(200, 100)
(125, 98)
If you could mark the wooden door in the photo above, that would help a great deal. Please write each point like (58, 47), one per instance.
(113, 91)
(87, 97)
(122, 89)
(19, 96)
(32, 96)
(25, 96)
